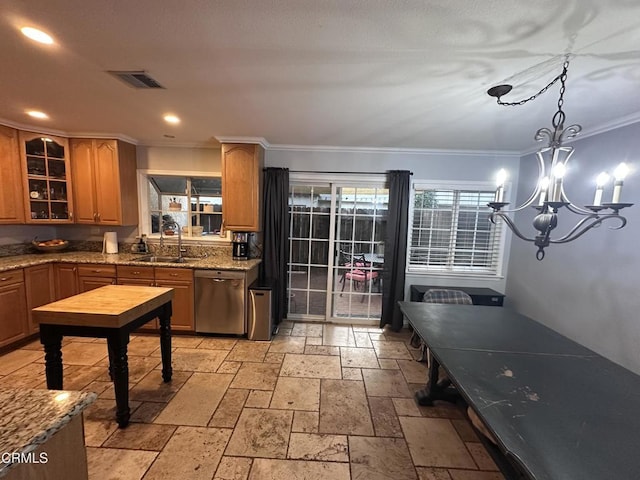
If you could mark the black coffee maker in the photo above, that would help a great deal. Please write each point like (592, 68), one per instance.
(240, 245)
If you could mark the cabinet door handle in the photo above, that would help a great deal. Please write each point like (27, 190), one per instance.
(4, 279)
(173, 274)
(113, 282)
(70, 215)
(98, 216)
(96, 270)
(135, 273)
(94, 216)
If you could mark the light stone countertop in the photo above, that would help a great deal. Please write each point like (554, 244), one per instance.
(208, 263)
(31, 417)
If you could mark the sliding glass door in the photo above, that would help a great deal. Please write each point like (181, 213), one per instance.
(360, 220)
(309, 247)
(336, 245)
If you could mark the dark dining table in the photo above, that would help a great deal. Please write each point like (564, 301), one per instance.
(557, 409)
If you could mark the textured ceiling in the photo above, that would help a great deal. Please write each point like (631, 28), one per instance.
(368, 73)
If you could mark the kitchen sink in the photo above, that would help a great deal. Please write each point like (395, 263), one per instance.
(156, 259)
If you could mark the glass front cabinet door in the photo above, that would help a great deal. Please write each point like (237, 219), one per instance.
(47, 180)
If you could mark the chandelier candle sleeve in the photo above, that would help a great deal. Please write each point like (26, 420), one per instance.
(601, 181)
(544, 186)
(620, 173)
(558, 172)
(501, 178)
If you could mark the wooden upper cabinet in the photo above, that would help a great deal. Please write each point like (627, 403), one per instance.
(11, 196)
(104, 174)
(83, 180)
(242, 186)
(47, 189)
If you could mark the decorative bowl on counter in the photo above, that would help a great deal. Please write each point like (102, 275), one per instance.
(54, 245)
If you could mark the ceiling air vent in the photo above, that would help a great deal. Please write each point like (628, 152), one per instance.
(136, 79)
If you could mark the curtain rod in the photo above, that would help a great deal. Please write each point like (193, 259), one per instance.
(337, 173)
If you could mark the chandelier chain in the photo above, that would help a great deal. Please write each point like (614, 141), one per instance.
(562, 77)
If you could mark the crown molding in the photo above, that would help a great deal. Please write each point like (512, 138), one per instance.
(608, 126)
(206, 145)
(592, 132)
(106, 136)
(61, 133)
(257, 140)
(33, 128)
(387, 150)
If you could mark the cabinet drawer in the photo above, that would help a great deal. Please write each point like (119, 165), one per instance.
(11, 277)
(96, 270)
(184, 274)
(128, 271)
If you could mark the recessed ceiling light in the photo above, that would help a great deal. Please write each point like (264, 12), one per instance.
(169, 118)
(37, 35)
(37, 114)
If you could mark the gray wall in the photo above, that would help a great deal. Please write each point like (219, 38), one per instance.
(589, 289)
(426, 166)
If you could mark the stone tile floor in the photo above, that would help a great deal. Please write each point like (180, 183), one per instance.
(317, 402)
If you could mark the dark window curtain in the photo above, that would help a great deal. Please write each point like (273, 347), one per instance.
(395, 248)
(276, 237)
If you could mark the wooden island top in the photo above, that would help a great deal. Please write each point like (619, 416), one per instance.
(108, 306)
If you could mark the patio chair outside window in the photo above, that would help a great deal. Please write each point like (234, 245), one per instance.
(359, 272)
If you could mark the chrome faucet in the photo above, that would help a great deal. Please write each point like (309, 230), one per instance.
(173, 223)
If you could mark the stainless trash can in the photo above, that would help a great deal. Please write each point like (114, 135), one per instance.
(260, 324)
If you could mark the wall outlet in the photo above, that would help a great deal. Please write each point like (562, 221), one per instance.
(95, 231)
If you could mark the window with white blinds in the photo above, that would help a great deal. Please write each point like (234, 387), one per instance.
(451, 232)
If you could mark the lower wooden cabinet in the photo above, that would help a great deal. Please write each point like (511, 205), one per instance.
(181, 280)
(22, 290)
(14, 323)
(95, 276)
(66, 280)
(138, 276)
(40, 289)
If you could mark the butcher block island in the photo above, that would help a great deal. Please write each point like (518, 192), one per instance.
(110, 312)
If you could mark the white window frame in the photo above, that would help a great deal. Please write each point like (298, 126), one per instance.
(144, 210)
(448, 270)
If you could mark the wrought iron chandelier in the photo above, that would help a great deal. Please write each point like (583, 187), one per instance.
(548, 196)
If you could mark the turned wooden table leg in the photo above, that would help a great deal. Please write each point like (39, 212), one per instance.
(165, 341)
(117, 344)
(52, 343)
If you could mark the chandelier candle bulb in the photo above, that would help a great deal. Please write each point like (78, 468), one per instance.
(620, 173)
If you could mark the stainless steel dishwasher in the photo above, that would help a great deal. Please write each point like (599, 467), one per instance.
(220, 301)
